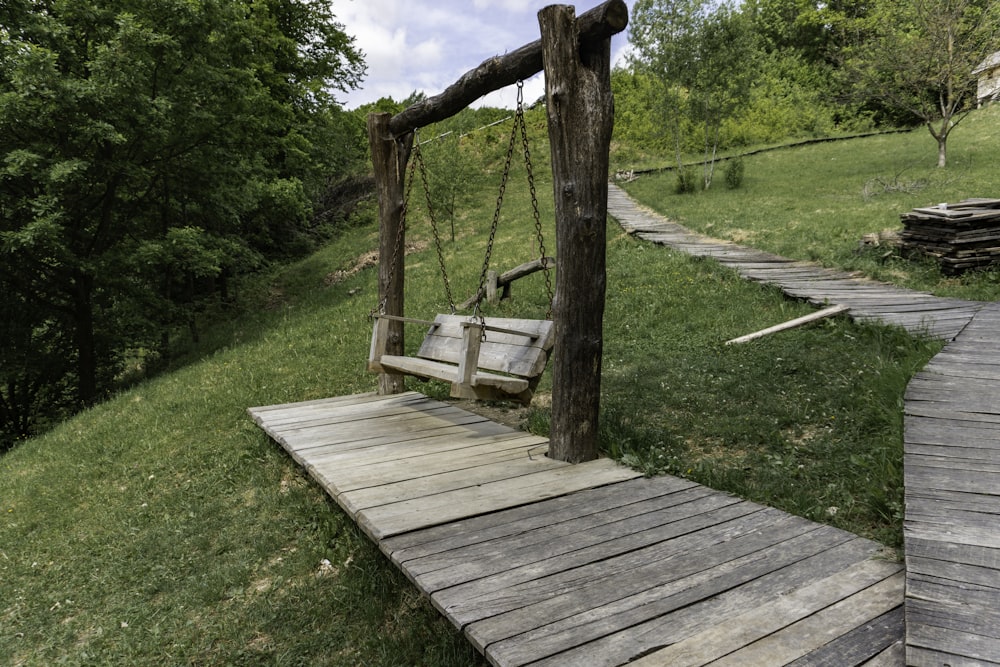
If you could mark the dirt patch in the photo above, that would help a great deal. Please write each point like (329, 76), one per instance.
(364, 261)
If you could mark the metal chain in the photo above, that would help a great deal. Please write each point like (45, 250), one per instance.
(496, 214)
(418, 158)
(534, 198)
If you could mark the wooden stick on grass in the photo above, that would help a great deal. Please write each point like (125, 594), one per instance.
(791, 324)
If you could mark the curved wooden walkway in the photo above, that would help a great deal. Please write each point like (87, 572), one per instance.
(951, 439)
(917, 312)
(952, 526)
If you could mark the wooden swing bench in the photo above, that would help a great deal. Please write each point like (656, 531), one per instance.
(507, 365)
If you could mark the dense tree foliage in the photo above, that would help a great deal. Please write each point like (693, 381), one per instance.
(151, 151)
(705, 74)
(921, 56)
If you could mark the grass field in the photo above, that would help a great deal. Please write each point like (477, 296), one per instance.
(816, 202)
(163, 527)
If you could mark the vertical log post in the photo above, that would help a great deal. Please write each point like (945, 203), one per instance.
(580, 116)
(389, 158)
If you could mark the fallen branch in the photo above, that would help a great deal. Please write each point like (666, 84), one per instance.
(791, 324)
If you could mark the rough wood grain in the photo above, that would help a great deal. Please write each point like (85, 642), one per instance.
(580, 113)
(952, 473)
(543, 562)
(596, 25)
(389, 157)
(396, 518)
(791, 627)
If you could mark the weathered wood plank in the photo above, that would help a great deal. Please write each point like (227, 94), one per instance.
(860, 645)
(526, 518)
(676, 586)
(921, 657)
(365, 405)
(632, 641)
(820, 611)
(414, 489)
(452, 435)
(950, 612)
(426, 481)
(340, 423)
(357, 435)
(893, 656)
(387, 520)
(922, 476)
(958, 648)
(378, 471)
(523, 586)
(546, 541)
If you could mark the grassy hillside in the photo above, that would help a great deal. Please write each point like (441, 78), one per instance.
(163, 527)
(816, 202)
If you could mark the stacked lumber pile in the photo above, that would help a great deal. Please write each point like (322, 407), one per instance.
(961, 236)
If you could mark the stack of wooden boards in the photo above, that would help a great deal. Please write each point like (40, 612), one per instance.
(961, 236)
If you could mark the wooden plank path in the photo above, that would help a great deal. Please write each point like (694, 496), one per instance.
(952, 524)
(540, 562)
(951, 439)
(917, 312)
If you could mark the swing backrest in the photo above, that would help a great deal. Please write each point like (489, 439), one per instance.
(523, 354)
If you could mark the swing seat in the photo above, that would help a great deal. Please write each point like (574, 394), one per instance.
(506, 366)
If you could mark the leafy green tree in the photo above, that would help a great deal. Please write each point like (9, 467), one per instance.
(723, 78)
(150, 150)
(921, 56)
(701, 55)
(664, 36)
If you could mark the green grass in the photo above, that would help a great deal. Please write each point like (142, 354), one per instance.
(163, 527)
(816, 202)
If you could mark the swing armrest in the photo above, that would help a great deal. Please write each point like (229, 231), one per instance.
(514, 332)
(409, 320)
(472, 338)
(380, 337)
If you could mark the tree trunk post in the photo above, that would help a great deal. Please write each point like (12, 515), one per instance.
(580, 117)
(389, 158)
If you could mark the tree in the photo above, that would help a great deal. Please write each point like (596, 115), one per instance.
(723, 77)
(701, 55)
(921, 58)
(664, 35)
(151, 149)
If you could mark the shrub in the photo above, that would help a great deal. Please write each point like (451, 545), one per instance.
(734, 170)
(687, 180)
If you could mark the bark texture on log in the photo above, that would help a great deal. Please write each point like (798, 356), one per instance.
(595, 26)
(389, 158)
(580, 117)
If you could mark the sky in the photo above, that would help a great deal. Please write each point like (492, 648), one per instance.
(426, 45)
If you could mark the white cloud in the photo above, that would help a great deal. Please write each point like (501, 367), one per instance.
(427, 45)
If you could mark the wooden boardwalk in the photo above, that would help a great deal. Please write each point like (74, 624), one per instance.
(951, 440)
(917, 312)
(952, 524)
(544, 563)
